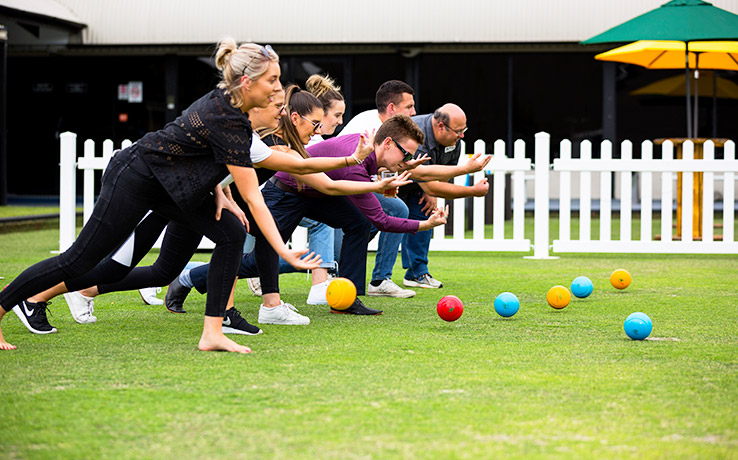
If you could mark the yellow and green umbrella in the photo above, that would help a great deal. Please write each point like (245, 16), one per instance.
(654, 54)
(687, 21)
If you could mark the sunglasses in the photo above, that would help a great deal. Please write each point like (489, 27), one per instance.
(408, 156)
(265, 51)
(316, 124)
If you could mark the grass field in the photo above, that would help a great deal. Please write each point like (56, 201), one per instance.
(405, 385)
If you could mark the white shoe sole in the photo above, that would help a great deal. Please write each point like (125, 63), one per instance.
(397, 295)
(282, 323)
(23, 319)
(410, 283)
(230, 330)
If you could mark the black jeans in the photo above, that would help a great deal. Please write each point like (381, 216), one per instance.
(288, 209)
(129, 190)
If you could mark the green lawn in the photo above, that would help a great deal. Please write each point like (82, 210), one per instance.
(542, 384)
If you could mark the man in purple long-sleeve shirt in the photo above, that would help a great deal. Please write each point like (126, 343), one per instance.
(289, 200)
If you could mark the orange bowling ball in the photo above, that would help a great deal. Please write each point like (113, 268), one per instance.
(620, 278)
(558, 297)
(341, 293)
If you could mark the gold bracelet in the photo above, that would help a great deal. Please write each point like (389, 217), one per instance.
(346, 159)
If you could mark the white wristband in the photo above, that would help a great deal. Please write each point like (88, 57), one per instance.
(358, 162)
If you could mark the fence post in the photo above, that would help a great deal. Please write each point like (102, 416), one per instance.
(728, 195)
(541, 211)
(67, 189)
(88, 192)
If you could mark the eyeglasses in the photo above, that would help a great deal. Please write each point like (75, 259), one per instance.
(408, 156)
(316, 124)
(265, 51)
(458, 132)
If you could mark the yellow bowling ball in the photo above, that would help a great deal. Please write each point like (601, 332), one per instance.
(620, 278)
(341, 293)
(558, 297)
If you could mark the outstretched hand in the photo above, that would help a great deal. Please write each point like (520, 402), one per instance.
(439, 216)
(399, 180)
(480, 188)
(415, 162)
(477, 162)
(365, 145)
(294, 258)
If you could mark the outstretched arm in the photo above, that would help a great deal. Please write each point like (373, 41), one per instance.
(287, 160)
(328, 186)
(451, 191)
(443, 172)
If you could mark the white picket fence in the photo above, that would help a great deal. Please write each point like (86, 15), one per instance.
(565, 166)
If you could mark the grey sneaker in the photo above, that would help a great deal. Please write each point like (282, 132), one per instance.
(388, 288)
(283, 313)
(425, 281)
(81, 307)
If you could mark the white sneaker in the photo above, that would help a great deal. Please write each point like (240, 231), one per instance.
(388, 288)
(283, 313)
(254, 285)
(317, 294)
(149, 295)
(81, 307)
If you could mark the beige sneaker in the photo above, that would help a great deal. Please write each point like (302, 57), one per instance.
(388, 288)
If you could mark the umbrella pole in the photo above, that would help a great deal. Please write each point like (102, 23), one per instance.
(696, 93)
(689, 105)
(714, 104)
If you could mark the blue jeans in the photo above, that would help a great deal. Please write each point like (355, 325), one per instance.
(389, 243)
(415, 247)
(320, 241)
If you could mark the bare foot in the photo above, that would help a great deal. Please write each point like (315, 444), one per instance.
(220, 343)
(3, 344)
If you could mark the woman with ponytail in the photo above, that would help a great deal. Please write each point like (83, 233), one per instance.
(173, 172)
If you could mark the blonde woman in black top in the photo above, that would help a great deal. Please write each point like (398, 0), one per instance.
(172, 172)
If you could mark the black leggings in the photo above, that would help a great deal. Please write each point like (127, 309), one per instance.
(118, 272)
(129, 190)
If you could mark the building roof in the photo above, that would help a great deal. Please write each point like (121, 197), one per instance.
(161, 22)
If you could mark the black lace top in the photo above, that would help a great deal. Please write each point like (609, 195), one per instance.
(189, 155)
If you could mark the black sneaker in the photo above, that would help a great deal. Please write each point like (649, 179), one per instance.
(233, 323)
(176, 295)
(33, 316)
(357, 308)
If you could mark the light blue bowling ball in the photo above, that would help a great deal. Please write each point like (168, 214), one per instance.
(507, 304)
(638, 326)
(582, 287)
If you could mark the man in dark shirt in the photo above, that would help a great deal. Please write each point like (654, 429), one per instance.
(443, 132)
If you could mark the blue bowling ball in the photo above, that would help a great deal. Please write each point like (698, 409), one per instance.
(507, 304)
(582, 287)
(638, 326)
